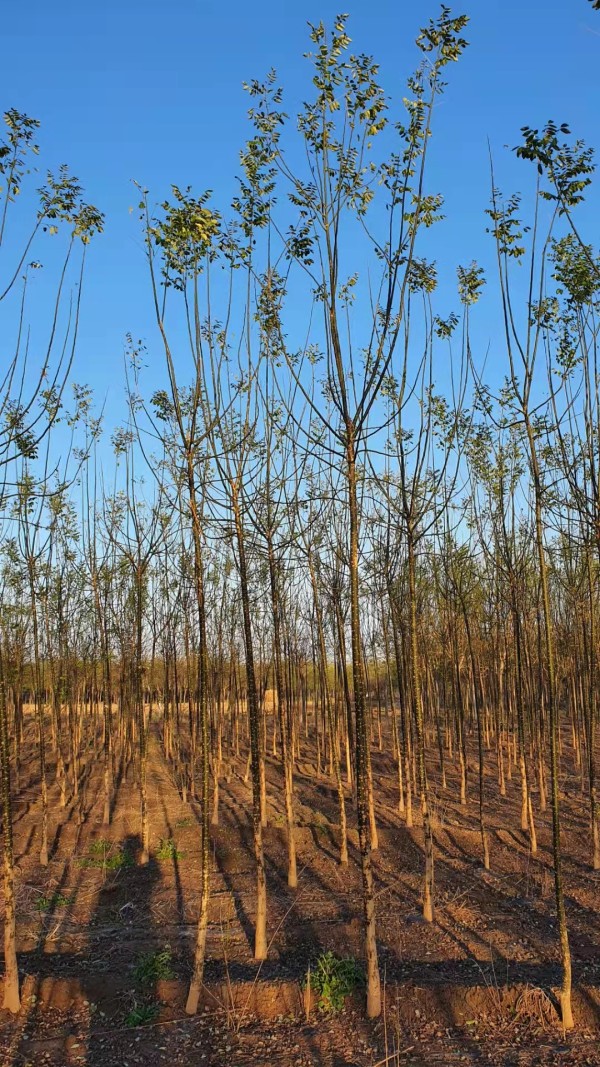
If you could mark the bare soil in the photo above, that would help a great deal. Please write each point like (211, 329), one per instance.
(475, 987)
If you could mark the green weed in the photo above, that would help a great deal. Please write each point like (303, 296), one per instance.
(333, 979)
(154, 966)
(100, 847)
(167, 850)
(141, 1014)
(57, 900)
(107, 855)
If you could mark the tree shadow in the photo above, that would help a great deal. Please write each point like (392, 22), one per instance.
(175, 860)
(61, 991)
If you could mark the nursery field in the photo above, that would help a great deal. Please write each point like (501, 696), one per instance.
(105, 944)
(300, 538)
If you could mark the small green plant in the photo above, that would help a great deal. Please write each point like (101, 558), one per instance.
(167, 850)
(57, 900)
(106, 855)
(141, 1014)
(117, 859)
(154, 966)
(100, 847)
(333, 979)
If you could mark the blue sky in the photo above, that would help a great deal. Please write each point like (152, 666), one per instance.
(153, 92)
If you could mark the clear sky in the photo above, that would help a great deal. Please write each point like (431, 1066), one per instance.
(153, 91)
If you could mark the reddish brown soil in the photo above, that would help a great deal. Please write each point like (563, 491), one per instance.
(475, 987)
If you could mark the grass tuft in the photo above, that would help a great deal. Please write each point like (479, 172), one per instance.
(167, 850)
(141, 1015)
(154, 966)
(107, 855)
(57, 900)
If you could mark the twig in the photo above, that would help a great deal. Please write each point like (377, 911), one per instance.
(393, 1055)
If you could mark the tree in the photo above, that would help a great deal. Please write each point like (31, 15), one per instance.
(522, 353)
(180, 246)
(31, 401)
(339, 128)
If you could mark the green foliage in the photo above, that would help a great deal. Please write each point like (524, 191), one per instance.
(154, 966)
(99, 847)
(507, 228)
(118, 859)
(333, 979)
(167, 850)
(106, 855)
(13, 151)
(576, 271)
(57, 900)
(17, 429)
(185, 235)
(444, 328)
(443, 36)
(422, 276)
(141, 1015)
(471, 281)
(60, 201)
(567, 166)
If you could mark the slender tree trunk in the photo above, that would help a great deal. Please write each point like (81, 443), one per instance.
(563, 934)
(362, 742)
(256, 752)
(334, 745)
(282, 709)
(12, 1000)
(592, 724)
(420, 737)
(478, 713)
(202, 696)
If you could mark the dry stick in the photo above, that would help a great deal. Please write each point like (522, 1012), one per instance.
(307, 996)
(393, 1056)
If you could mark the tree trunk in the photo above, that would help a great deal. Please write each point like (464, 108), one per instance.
(12, 1000)
(362, 742)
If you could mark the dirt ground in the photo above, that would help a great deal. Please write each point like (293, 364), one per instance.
(475, 987)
